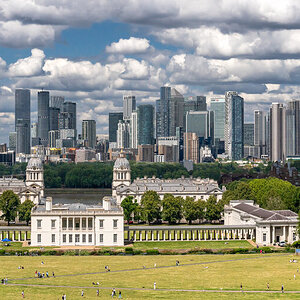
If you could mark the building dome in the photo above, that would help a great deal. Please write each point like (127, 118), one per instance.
(122, 163)
(35, 163)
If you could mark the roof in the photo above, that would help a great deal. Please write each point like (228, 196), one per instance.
(171, 185)
(122, 163)
(264, 214)
(35, 162)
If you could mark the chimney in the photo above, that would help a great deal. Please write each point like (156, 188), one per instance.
(48, 203)
(106, 203)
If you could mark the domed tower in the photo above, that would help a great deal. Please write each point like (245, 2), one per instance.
(35, 174)
(121, 173)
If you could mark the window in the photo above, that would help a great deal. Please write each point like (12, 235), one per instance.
(101, 238)
(77, 239)
(84, 238)
(39, 223)
(83, 223)
(53, 238)
(64, 223)
(101, 223)
(115, 223)
(70, 223)
(70, 238)
(53, 223)
(77, 223)
(90, 238)
(115, 238)
(39, 238)
(90, 223)
(64, 238)
(264, 237)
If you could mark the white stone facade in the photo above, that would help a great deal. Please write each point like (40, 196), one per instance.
(33, 186)
(77, 224)
(270, 226)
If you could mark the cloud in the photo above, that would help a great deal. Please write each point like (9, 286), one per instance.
(129, 46)
(29, 66)
(14, 34)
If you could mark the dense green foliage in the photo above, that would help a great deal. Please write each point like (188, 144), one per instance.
(9, 204)
(150, 206)
(172, 208)
(129, 205)
(213, 209)
(193, 210)
(270, 193)
(25, 211)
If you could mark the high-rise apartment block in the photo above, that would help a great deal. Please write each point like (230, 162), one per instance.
(249, 134)
(260, 131)
(89, 133)
(22, 120)
(123, 135)
(134, 130)
(234, 126)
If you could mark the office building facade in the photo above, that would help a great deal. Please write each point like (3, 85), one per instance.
(129, 105)
(89, 133)
(113, 121)
(277, 132)
(249, 134)
(134, 130)
(293, 128)
(162, 112)
(22, 120)
(145, 115)
(234, 126)
(43, 117)
(217, 105)
(56, 101)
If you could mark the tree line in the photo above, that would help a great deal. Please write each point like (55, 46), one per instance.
(171, 209)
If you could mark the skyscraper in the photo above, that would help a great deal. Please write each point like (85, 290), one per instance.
(134, 130)
(123, 134)
(113, 121)
(89, 133)
(145, 124)
(12, 141)
(277, 132)
(198, 122)
(54, 118)
(249, 134)
(293, 128)
(129, 105)
(43, 116)
(191, 147)
(162, 112)
(56, 101)
(176, 111)
(217, 105)
(260, 131)
(234, 125)
(67, 116)
(22, 120)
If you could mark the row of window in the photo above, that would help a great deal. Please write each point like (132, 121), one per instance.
(84, 238)
(77, 223)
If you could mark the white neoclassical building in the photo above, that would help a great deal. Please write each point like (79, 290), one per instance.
(77, 224)
(193, 187)
(270, 226)
(33, 186)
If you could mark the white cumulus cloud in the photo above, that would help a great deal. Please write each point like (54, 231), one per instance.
(129, 46)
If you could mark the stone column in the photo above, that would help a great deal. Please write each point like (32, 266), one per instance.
(204, 235)
(273, 234)
(152, 236)
(284, 233)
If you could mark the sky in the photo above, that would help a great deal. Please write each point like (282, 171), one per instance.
(95, 51)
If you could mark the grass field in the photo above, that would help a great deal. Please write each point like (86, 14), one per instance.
(196, 272)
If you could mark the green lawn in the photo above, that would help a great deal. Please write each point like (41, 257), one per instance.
(212, 272)
(192, 244)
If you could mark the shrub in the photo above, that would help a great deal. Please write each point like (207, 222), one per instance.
(152, 252)
(2, 252)
(296, 244)
(70, 253)
(84, 253)
(129, 250)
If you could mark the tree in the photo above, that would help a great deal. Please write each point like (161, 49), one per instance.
(150, 204)
(200, 206)
(25, 210)
(172, 208)
(190, 209)
(212, 212)
(128, 205)
(9, 203)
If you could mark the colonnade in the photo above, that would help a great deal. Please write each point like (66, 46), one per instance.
(15, 233)
(188, 233)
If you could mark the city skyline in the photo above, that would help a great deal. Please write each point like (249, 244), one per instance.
(93, 61)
